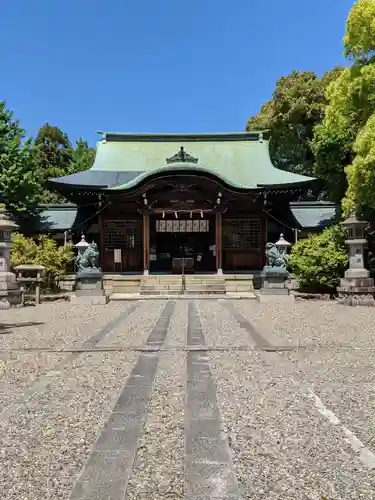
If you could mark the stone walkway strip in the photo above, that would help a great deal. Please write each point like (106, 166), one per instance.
(260, 342)
(42, 383)
(108, 469)
(209, 472)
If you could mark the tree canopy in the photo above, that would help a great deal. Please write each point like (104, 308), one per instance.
(297, 105)
(359, 40)
(19, 182)
(324, 127)
(26, 164)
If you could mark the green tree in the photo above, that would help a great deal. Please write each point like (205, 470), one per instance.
(52, 155)
(343, 133)
(45, 252)
(19, 182)
(360, 195)
(297, 105)
(319, 261)
(82, 157)
(359, 40)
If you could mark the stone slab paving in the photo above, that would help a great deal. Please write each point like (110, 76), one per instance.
(209, 471)
(195, 399)
(158, 470)
(129, 334)
(107, 472)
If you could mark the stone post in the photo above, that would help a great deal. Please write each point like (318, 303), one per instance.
(356, 288)
(10, 292)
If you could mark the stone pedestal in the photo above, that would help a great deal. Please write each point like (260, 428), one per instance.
(89, 288)
(356, 290)
(274, 286)
(10, 291)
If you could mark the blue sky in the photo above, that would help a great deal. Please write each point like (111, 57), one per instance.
(166, 66)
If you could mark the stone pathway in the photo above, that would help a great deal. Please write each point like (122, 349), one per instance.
(187, 400)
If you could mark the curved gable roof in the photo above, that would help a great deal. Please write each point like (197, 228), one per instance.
(240, 160)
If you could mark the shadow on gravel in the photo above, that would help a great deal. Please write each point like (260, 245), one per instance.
(6, 328)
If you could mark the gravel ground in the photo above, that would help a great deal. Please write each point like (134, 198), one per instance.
(312, 322)
(63, 326)
(54, 326)
(44, 446)
(134, 331)
(216, 323)
(158, 471)
(285, 444)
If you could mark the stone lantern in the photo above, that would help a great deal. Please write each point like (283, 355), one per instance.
(282, 245)
(10, 292)
(356, 288)
(82, 245)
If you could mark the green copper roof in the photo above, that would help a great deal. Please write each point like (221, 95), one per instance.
(240, 160)
(313, 214)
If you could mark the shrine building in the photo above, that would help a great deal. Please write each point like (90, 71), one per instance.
(156, 202)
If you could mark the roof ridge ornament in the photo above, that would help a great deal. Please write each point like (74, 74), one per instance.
(181, 157)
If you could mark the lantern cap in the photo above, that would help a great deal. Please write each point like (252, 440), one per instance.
(6, 224)
(282, 242)
(353, 221)
(83, 243)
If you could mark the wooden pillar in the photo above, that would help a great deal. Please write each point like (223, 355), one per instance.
(146, 243)
(219, 266)
(101, 236)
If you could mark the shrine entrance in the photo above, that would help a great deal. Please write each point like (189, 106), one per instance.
(182, 244)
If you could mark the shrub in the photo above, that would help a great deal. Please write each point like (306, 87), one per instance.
(43, 251)
(319, 261)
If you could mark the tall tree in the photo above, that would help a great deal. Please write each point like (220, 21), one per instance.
(297, 105)
(19, 182)
(52, 153)
(82, 157)
(351, 99)
(359, 40)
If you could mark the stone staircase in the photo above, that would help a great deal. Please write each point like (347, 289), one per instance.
(210, 284)
(187, 285)
(161, 285)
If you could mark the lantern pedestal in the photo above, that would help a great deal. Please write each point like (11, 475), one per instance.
(356, 288)
(10, 291)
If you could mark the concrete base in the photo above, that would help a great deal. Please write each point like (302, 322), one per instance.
(91, 300)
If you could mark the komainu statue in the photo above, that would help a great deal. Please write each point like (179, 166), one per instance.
(88, 260)
(276, 261)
